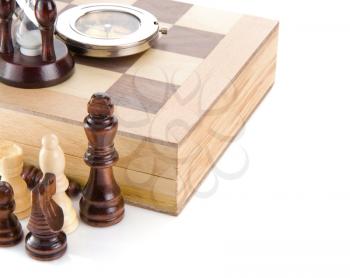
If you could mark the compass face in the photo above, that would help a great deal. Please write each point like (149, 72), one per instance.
(107, 24)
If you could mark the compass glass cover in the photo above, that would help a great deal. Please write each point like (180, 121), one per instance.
(107, 24)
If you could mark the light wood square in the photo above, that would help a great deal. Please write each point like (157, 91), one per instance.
(87, 81)
(60, 5)
(165, 66)
(125, 2)
(209, 19)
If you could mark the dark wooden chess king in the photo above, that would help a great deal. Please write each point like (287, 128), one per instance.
(45, 241)
(53, 66)
(10, 228)
(101, 204)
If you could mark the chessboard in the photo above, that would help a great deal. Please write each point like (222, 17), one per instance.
(179, 104)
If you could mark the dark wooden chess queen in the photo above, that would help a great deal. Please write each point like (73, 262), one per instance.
(53, 66)
(10, 228)
(101, 204)
(45, 241)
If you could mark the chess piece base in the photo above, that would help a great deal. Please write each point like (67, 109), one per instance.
(36, 247)
(71, 225)
(11, 237)
(102, 204)
(71, 221)
(30, 72)
(100, 217)
(71, 228)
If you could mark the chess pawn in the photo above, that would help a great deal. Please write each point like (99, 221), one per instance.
(45, 240)
(10, 228)
(101, 204)
(11, 164)
(51, 160)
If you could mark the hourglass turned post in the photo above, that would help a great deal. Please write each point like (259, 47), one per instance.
(7, 9)
(46, 14)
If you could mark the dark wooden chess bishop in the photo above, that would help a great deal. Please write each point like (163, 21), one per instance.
(45, 241)
(102, 203)
(10, 228)
(53, 66)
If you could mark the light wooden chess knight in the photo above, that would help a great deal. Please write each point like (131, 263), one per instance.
(52, 66)
(51, 160)
(11, 165)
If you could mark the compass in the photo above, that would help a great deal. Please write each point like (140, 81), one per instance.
(107, 30)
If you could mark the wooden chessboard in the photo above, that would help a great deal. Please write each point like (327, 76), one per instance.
(179, 104)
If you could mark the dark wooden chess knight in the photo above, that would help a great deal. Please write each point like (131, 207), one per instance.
(32, 175)
(53, 66)
(45, 241)
(102, 204)
(10, 228)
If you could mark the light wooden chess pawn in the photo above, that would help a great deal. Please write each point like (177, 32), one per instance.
(11, 164)
(51, 160)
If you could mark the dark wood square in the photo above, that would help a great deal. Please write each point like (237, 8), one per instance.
(121, 64)
(165, 10)
(141, 93)
(67, 7)
(189, 41)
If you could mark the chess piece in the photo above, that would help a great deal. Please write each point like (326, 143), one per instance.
(74, 189)
(32, 175)
(101, 204)
(10, 228)
(11, 164)
(52, 160)
(21, 66)
(45, 240)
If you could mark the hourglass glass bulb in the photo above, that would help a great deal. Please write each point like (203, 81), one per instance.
(28, 38)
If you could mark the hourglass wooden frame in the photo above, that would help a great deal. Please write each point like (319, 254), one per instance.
(53, 66)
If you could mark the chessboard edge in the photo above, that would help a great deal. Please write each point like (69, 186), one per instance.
(187, 187)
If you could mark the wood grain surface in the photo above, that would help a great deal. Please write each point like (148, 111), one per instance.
(179, 104)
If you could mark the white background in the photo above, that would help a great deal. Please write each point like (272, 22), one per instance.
(288, 215)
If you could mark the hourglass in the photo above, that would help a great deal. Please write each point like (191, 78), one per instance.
(30, 56)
